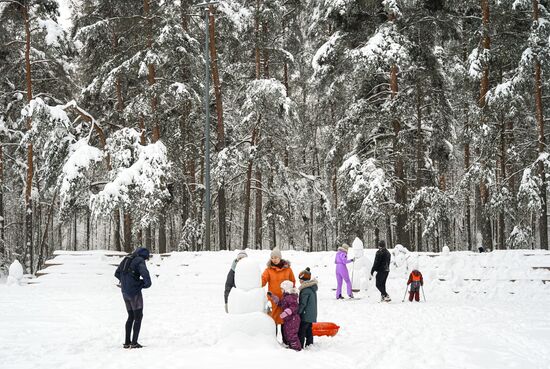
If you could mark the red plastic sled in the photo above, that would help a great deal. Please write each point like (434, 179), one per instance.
(324, 329)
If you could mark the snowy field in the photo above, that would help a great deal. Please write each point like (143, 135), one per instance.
(483, 311)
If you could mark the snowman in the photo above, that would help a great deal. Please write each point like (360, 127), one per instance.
(15, 275)
(246, 304)
(361, 267)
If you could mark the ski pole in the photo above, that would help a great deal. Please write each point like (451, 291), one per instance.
(423, 294)
(406, 288)
(352, 271)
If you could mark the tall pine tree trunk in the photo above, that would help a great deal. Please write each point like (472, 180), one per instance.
(151, 79)
(248, 183)
(484, 222)
(42, 249)
(468, 220)
(402, 235)
(258, 221)
(501, 244)
(222, 213)
(27, 261)
(419, 161)
(127, 232)
(2, 215)
(543, 219)
(120, 107)
(468, 217)
(75, 231)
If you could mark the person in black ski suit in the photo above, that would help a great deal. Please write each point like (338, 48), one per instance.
(381, 266)
(133, 276)
(230, 280)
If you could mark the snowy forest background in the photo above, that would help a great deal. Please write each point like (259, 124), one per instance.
(416, 121)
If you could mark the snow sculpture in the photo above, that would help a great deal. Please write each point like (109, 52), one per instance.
(401, 257)
(360, 269)
(246, 304)
(15, 275)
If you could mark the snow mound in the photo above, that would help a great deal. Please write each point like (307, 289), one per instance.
(243, 329)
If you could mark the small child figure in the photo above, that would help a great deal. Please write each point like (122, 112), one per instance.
(308, 307)
(415, 280)
(291, 319)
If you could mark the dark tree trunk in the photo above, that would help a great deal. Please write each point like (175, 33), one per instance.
(75, 229)
(258, 224)
(127, 232)
(162, 234)
(246, 222)
(27, 260)
(484, 224)
(2, 215)
(389, 236)
(501, 244)
(419, 161)
(116, 220)
(42, 250)
(247, 200)
(222, 213)
(543, 218)
(468, 220)
(402, 235)
(148, 238)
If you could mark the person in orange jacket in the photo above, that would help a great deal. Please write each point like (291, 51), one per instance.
(415, 280)
(277, 271)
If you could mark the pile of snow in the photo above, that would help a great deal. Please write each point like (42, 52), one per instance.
(185, 322)
(15, 276)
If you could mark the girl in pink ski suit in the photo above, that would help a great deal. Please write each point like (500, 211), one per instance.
(290, 316)
(341, 261)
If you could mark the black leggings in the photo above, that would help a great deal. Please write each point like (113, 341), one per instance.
(381, 282)
(134, 319)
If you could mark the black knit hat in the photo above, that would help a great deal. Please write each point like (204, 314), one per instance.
(305, 275)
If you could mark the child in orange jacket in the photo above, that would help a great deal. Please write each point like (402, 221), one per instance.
(416, 281)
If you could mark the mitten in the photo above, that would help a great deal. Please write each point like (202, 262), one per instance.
(285, 313)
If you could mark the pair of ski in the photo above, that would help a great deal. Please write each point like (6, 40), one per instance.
(351, 298)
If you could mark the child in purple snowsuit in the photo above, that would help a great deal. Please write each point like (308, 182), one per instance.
(289, 304)
(341, 261)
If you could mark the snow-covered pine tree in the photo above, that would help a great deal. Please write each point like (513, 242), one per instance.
(36, 68)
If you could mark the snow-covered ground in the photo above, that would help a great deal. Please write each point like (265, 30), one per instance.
(475, 316)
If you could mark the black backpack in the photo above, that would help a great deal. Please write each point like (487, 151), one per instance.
(126, 262)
